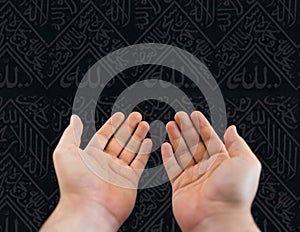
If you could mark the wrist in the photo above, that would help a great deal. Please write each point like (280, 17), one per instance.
(231, 221)
(83, 215)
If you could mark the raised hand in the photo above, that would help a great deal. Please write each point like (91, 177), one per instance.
(213, 183)
(98, 184)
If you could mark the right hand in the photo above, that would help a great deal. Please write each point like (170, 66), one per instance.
(98, 185)
(215, 182)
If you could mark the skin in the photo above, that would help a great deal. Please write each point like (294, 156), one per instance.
(213, 183)
(88, 202)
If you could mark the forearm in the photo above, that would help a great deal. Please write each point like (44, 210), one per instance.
(230, 223)
(76, 217)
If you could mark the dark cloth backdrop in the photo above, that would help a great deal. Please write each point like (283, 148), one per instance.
(251, 48)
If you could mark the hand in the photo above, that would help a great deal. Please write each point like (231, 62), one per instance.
(213, 184)
(118, 153)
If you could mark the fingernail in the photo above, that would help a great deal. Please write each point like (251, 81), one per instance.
(75, 129)
(72, 120)
(235, 130)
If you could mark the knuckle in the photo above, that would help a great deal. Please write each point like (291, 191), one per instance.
(258, 164)
(60, 152)
(138, 137)
(141, 162)
(57, 153)
(222, 155)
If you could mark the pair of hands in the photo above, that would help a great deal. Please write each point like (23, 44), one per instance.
(214, 183)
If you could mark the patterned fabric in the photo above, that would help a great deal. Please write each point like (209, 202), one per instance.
(46, 47)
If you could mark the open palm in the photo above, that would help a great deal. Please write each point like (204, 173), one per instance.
(208, 178)
(107, 171)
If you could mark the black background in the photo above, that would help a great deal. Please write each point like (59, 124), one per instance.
(251, 48)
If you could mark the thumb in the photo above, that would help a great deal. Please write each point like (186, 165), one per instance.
(236, 145)
(72, 134)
